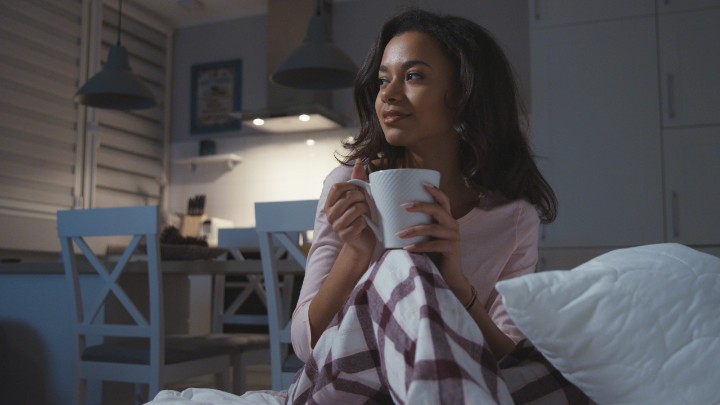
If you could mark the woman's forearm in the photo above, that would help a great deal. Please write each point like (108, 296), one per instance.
(497, 340)
(349, 266)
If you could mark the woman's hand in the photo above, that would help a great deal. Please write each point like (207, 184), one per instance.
(345, 205)
(445, 241)
(444, 235)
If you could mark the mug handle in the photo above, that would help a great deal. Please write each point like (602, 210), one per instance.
(374, 226)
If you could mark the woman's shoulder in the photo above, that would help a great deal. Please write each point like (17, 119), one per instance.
(520, 212)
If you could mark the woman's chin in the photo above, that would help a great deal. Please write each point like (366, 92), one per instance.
(396, 137)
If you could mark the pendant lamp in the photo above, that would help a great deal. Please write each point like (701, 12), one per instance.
(115, 86)
(317, 64)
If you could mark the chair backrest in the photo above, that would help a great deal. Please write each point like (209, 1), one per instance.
(279, 225)
(236, 240)
(75, 227)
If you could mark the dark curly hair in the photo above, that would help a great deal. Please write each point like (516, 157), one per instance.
(495, 155)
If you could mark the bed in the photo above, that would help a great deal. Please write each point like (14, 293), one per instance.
(634, 326)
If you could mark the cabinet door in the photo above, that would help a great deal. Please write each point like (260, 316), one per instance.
(689, 65)
(595, 125)
(546, 13)
(692, 188)
(670, 6)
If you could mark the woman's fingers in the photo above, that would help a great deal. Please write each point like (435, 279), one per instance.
(344, 208)
(444, 233)
(339, 191)
(436, 232)
(439, 196)
(340, 198)
(439, 210)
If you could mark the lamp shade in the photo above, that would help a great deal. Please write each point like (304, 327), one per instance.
(116, 87)
(317, 64)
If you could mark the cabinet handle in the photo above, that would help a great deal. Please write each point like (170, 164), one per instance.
(675, 212)
(670, 84)
(536, 7)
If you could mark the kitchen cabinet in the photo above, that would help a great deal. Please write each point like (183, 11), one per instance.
(595, 127)
(688, 32)
(692, 190)
(665, 6)
(547, 13)
(625, 111)
(689, 65)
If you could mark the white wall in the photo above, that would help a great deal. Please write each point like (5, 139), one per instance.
(282, 167)
(274, 168)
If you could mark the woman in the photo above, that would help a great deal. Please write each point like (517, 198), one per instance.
(435, 92)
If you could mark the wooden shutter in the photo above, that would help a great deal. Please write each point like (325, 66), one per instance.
(40, 49)
(55, 154)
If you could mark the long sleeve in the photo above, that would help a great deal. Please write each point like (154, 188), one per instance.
(321, 257)
(498, 244)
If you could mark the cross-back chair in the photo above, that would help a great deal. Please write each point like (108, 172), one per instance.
(237, 240)
(252, 347)
(282, 225)
(132, 348)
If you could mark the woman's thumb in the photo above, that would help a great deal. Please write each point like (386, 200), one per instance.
(358, 171)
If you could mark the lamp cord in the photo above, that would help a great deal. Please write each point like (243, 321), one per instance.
(119, 22)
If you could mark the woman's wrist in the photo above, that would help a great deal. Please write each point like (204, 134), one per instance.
(473, 298)
(461, 287)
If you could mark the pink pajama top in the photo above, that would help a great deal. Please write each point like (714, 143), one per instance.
(496, 244)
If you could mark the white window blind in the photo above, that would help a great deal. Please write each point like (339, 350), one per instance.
(55, 154)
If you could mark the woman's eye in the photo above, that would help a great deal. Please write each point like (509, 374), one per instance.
(413, 76)
(382, 81)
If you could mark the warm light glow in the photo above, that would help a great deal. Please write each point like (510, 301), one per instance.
(304, 117)
(310, 142)
(258, 121)
(290, 123)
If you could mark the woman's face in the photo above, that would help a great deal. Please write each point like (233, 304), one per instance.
(416, 82)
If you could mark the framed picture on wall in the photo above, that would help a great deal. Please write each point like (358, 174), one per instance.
(215, 92)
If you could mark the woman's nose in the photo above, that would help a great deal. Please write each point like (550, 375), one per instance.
(390, 93)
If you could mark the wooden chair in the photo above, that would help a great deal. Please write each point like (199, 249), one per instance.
(237, 240)
(253, 348)
(131, 348)
(278, 225)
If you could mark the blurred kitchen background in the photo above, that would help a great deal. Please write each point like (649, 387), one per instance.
(623, 108)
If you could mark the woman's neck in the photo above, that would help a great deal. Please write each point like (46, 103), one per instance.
(452, 182)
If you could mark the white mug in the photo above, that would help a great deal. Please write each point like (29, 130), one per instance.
(391, 188)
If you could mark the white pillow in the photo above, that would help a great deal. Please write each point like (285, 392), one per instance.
(633, 326)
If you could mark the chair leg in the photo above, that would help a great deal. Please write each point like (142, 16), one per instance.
(222, 380)
(82, 391)
(239, 374)
(141, 396)
(153, 388)
(93, 392)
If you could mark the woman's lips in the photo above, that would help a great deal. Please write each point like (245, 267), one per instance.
(391, 117)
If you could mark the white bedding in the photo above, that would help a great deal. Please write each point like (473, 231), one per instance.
(634, 326)
(207, 396)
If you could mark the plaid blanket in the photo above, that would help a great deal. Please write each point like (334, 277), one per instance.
(404, 338)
